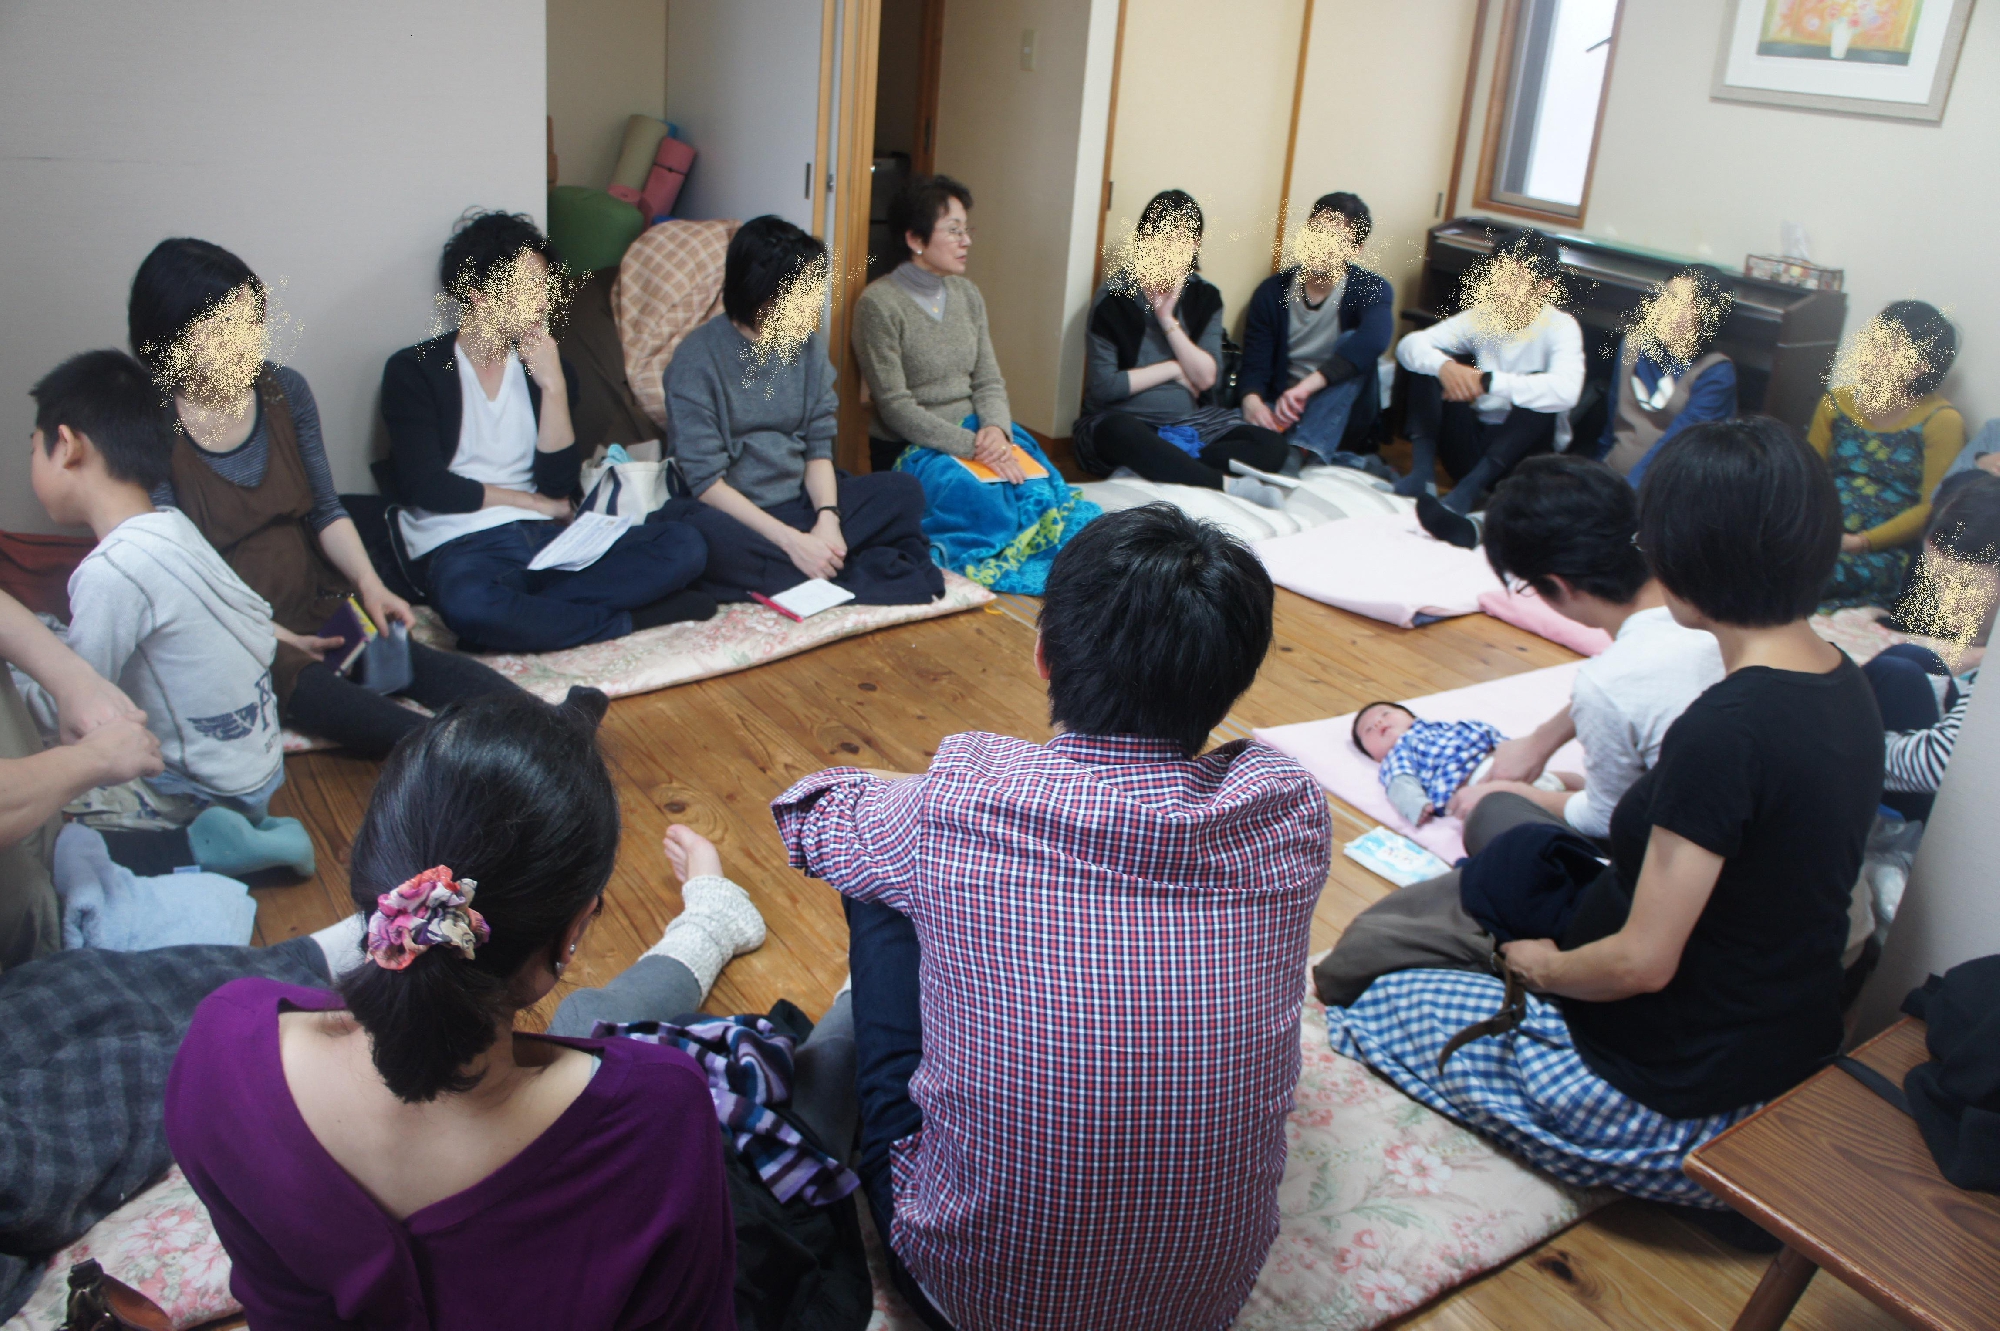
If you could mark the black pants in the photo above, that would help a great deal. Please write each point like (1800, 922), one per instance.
(333, 707)
(1126, 441)
(881, 516)
(1476, 455)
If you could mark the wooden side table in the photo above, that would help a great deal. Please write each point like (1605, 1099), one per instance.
(1844, 1180)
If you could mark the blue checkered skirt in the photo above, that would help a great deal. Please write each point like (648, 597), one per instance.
(1528, 1089)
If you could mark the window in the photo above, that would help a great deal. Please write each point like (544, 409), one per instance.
(1547, 103)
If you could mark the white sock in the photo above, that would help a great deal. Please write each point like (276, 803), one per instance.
(342, 945)
(1254, 490)
(718, 921)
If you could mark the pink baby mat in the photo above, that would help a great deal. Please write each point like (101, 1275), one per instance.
(1516, 704)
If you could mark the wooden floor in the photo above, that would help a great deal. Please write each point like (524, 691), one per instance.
(713, 754)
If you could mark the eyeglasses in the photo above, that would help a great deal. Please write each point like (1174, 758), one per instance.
(957, 232)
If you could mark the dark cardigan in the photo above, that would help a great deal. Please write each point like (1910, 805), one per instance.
(1367, 322)
(422, 406)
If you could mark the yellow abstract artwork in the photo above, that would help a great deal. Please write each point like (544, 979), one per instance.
(1859, 31)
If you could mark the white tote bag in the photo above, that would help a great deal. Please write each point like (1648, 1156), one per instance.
(624, 484)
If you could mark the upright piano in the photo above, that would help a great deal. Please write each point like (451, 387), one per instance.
(1782, 338)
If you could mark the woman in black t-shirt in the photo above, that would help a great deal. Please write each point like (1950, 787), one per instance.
(1702, 976)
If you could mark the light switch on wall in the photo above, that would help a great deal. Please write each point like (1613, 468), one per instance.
(1028, 49)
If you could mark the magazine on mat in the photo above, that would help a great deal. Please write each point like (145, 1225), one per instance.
(1396, 858)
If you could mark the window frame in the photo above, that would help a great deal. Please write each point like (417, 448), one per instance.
(1499, 104)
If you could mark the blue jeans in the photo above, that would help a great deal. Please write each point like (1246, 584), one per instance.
(481, 585)
(1323, 424)
(882, 953)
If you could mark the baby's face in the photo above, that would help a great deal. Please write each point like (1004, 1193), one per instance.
(1380, 727)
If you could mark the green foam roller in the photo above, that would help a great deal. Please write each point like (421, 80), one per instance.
(635, 159)
(589, 228)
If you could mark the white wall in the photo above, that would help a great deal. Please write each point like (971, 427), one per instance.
(1903, 207)
(743, 85)
(1030, 144)
(1205, 105)
(331, 145)
(1408, 56)
(607, 60)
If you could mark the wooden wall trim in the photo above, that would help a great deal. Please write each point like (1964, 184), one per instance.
(1292, 138)
(823, 147)
(860, 49)
(1110, 136)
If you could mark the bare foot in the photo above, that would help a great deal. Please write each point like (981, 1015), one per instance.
(691, 854)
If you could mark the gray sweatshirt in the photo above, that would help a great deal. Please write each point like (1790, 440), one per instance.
(754, 423)
(155, 610)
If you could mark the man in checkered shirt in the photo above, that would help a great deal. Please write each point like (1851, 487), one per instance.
(1078, 965)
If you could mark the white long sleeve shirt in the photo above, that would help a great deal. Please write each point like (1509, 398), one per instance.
(1540, 368)
(1623, 701)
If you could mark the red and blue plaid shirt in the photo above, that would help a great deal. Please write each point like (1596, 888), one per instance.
(1112, 941)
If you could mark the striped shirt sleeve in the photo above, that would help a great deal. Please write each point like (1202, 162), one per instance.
(1916, 759)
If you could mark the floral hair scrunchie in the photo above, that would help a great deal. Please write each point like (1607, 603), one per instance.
(431, 909)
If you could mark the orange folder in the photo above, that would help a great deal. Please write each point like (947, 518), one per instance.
(1032, 469)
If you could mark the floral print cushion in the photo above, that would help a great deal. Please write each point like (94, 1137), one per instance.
(160, 1243)
(739, 637)
(1384, 1205)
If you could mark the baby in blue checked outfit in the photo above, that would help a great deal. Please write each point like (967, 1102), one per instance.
(1425, 763)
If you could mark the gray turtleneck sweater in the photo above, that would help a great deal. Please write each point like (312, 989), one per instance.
(928, 371)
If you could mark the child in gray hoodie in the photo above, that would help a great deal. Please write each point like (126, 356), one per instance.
(156, 610)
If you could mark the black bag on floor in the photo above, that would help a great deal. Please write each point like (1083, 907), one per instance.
(799, 1267)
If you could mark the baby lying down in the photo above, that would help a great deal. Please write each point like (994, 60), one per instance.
(1425, 763)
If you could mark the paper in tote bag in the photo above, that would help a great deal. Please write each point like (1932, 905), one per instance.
(625, 486)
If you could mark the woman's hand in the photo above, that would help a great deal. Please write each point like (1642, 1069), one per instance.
(691, 854)
(1854, 543)
(122, 750)
(385, 607)
(1531, 958)
(1163, 303)
(559, 510)
(1259, 415)
(313, 646)
(827, 528)
(812, 554)
(89, 702)
(992, 447)
(543, 361)
(1292, 403)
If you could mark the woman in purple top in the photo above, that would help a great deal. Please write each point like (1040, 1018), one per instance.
(394, 1154)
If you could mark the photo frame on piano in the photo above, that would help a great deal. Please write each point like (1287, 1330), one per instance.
(1891, 58)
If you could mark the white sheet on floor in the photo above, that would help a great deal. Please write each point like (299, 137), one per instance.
(1383, 566)
(1516, 704)
(1323, 495)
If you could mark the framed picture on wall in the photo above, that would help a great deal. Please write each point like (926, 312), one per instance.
(1891, 58)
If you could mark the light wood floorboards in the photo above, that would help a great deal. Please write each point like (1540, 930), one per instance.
(713, 754)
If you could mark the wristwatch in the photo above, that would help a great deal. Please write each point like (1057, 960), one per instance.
(827, 508)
